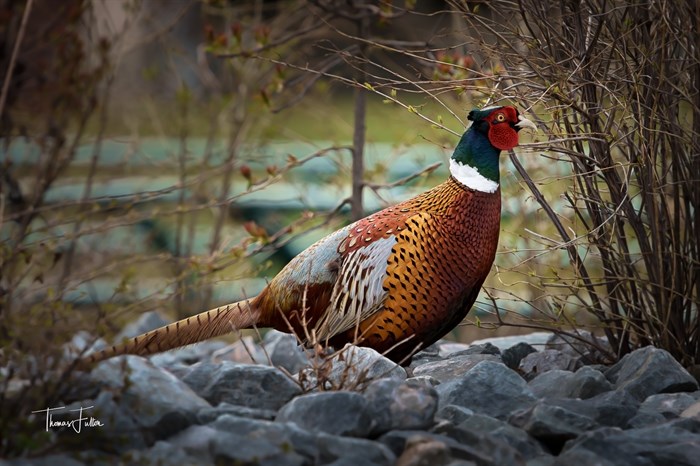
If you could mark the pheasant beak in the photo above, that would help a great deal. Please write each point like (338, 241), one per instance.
(525, 123)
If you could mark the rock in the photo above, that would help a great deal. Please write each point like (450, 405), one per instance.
(284, 434)
(400, 405)
(432, 353)
(162, 453)
(358, 451)
(50, 460)
(455, 414)
(284, 351)
(552, 425)
(145, 323)
(481, 424)
(426, 380)
(254, 386)
(351, 368)
(448, 348)
(607, 409)
(187, 355)
(336, 413)
(482, 348)
(659, 445)
(230, 448)
(397, 441)
(422, 451)
(648, 371)
(692, 411)
(669, 405)
(512, 356)
(119, 431)
(584, 383)
(318, 448)
(243, 351)
(455, 366)
(540, 362)
(195, 441)
(584, 346)
(82, 344)
(493, 450)
(488, 388)
(157, 400)
(536, 339)
(207, 415)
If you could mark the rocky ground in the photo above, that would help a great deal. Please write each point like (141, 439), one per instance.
(529, 400)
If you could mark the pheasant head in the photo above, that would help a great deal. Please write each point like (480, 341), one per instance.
(474, 162)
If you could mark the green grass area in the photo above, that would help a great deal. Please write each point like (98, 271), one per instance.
(326, 114)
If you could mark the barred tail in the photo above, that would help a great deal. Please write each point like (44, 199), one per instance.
(193, 329)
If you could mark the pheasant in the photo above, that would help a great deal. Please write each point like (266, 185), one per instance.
(396, 281)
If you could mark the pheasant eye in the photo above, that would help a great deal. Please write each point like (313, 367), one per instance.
(500, 117)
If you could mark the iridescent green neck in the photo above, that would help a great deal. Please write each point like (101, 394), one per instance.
(474, 150)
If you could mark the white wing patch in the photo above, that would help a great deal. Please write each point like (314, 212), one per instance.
(358, 292)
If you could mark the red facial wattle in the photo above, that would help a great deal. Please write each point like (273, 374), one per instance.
(502, 136)
(501, 133)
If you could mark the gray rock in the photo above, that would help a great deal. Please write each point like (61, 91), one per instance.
(613, 409)
(196, 441)
(584, 346)
(162, 454)
(320, 448)
(540, 362)
(581, 457)
(157, 400)
(351, 368)
(286, 434)
(536, 339)
(284, 351)
(187, 355)
(584, 383)
(254, 386)
(454, 414)
(119, 431)
(400, 405)
(481, 424)
(426, 380)
(453, 367)
(496, 450)
(228, 448)
(648, 371)
(365, 452)
(243, 351)
(82, 344)
(481, 348)
(145, 323)
(657, 409)
(660, 445)
(645, 419)
(422, 451)
(669, 405)
(336, 413)
(397, 440)
(50, 460)
(692, 411)
(512, 356)
(488, 388)
(207, 415)
(552, 423)
(448, 348)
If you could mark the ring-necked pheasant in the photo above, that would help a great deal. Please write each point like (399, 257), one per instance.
(397, 280)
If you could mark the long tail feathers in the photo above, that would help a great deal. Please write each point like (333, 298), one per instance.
(193, 329)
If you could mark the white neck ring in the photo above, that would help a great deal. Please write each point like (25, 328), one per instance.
(471, 178)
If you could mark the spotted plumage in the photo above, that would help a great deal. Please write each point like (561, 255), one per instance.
(396, 280)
